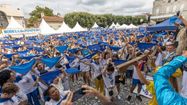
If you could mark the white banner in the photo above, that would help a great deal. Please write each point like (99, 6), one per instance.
(21, 31)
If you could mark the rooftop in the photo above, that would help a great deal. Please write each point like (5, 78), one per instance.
(53, 18)
(10, 11)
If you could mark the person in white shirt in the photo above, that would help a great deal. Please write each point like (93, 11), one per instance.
(96, 71)
(136, 81)
(9, 90)
(97, 74)
(85, 70)
(26, 84)
(56, 97)
(109, 80)
(170, 53)
(9, 76)
(160, 56)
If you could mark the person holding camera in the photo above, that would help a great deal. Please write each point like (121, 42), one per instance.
(54, 96)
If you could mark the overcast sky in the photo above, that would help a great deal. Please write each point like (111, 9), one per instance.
(116, 7)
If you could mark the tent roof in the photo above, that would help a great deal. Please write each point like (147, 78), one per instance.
(118, 25)
(13, 24)
(166, 25)
(64, 28)
(123, 26)
(95, 25)
(45, 28)
(132, 26)
(78, 28)
(113, 25)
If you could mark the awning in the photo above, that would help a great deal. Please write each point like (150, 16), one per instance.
(162, 16)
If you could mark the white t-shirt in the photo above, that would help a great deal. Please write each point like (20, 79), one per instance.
(158, 61)
(26, 84)
(75, 63)
(84, 67)
(135, 75)
(96, 70)
(109, 80)
(9, 102)
(19, 97)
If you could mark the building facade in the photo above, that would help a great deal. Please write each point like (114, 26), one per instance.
(6, 12)
(163, 9)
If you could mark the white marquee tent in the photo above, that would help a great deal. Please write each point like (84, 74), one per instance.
(95, 25)
(117, 25)
(124, 26)
(113, 25)
(78, 28)
(45, 28)
(13, 24)
(64, 28)
(132, 26)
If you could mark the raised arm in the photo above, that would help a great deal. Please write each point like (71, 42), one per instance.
(165, 93)
(141, 76)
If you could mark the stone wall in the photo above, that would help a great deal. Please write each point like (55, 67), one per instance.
(169, 7)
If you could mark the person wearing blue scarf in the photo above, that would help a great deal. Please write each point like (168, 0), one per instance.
(165, 94)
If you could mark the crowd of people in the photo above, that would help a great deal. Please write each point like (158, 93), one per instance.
(38, 70)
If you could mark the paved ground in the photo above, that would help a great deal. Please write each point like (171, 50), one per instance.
(90, 100)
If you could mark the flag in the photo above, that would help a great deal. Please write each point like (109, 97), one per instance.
(95, 47)
(50, 76)
(70, 58)
(23, 68)
(73, 50)
(144, 46)
(118, 62)
(72, 71)
(50, 62)
(172, 19)
(28, 57)
(23, 53)
(115, 48)
(8, 55)
(85, 52)
(89, 56)
(16, 47)
(61, 49)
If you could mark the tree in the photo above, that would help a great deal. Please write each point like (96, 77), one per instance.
(35, 15)
(87, 20)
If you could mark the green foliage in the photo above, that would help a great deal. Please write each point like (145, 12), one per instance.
(87, 20)
(35, 15)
